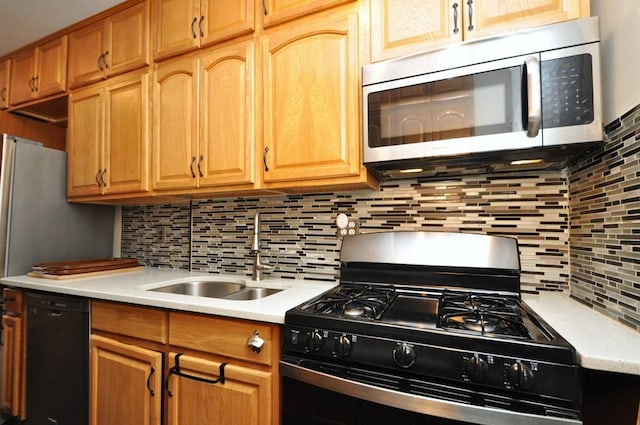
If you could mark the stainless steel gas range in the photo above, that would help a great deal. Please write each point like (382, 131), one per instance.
(426, 325)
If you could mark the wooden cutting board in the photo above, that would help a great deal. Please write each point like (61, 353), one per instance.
(83, 268)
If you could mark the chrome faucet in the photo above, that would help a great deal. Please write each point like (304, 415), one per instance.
(258, 266)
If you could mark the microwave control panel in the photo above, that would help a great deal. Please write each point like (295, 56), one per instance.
(567, 91)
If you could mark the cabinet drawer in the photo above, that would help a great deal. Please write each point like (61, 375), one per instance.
(12, 301)
(222, 336)
(139, 322)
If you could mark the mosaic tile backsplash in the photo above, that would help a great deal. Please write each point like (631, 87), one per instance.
(578, 229)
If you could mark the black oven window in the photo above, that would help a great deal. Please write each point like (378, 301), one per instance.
(485, 103)
(305, 404)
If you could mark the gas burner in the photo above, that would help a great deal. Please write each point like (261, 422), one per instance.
(355, 301)
(484, 314)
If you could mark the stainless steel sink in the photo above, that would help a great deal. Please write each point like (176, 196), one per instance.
(248, 294)
(217, 289)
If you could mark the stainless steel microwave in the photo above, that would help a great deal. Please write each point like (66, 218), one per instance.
(506, 95)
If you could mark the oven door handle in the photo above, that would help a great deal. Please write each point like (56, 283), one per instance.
(419, 404)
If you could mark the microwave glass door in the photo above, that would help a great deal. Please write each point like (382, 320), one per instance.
(471, 105)
(471, 109)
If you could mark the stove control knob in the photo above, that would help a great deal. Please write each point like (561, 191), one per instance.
(476, 368)
(342, 346)
(314, 342)
(404, 355)
(521, 376)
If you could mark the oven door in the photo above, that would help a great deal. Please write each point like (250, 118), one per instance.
(486, 107)
(317, 397)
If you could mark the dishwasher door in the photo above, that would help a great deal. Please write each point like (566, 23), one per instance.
(57, 359)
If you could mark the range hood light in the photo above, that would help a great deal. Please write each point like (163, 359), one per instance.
(526, 161)
(411, 170)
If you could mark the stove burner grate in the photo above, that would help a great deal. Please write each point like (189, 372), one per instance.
(354, 300)
(485, 314)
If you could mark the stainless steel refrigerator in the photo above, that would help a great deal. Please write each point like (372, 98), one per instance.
(37, 224)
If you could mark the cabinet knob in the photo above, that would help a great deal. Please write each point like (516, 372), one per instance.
(255, 342)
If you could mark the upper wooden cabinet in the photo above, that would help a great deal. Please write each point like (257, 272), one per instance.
(108, 137)
(311, 83)
(212, 144)
(5, 74)
(401, 27)
(114, 45)
(278, 11)
(39, 72)
(183, 25)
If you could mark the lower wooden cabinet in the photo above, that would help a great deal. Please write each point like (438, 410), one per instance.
(203, 392)
(126, 383)
(190, 369)
(12, 391)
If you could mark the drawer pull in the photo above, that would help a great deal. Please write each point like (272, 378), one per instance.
(175, 370)
(153, 393)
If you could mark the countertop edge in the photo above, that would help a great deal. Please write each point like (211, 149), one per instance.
(601, 343)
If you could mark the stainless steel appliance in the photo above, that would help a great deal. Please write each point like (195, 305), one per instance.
(37, 224)
(522, 95)
(426, 327)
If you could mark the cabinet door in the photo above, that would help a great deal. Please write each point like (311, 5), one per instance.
(176, 26)
(483, 18)
(126, 384)
(401, 27)
(12, 377)
(311, 99)
(21, 88)
(278, 11)
(227, 111)
(84, 143)
(126, 134)
(175, 124)
(86, 60)
(225, 19)
(51, 59)
(243, 399)
(5, 73)
(128, 39)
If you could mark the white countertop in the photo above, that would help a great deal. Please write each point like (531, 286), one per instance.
(600, 341)
(133, 287)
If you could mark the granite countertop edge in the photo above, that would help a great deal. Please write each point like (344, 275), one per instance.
(601, 343)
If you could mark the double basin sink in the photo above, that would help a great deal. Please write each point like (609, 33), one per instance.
(217, 289)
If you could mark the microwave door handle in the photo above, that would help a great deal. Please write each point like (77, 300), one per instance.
(534, 96)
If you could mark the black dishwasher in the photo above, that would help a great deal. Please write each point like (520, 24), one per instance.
(57, 359)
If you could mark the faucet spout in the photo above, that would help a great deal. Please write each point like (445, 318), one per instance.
(258, 265)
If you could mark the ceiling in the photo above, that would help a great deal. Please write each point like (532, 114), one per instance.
(25, 21)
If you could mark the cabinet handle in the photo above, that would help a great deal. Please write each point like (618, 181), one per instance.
(106, 64)
(455, 18)
(3, 94)
(153, 393)
(200, 26)
(98, 178)
(193, 28)
(100, 58)
(470, 4)
(264, 7)
(193, 161)
(264, 158)
(35, 83)
(175, 370)
(104, 183)
(200, 169)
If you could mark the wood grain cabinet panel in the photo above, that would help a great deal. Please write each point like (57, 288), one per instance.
(12, 378)
(112, 46)
(109, 138)
(5, 74)
(279, 11)
(183, 25)
(146, 323)
(126, 384)
(39, 72)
